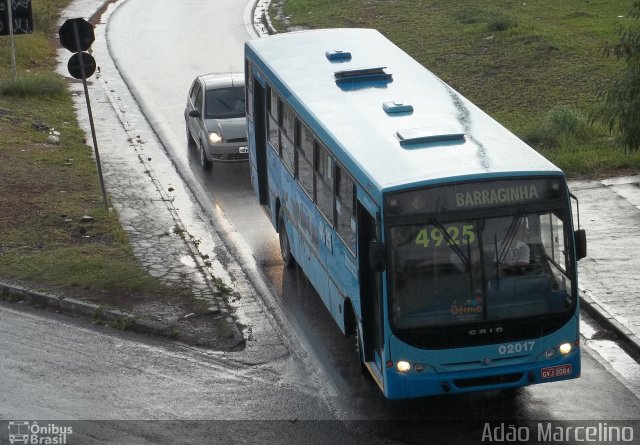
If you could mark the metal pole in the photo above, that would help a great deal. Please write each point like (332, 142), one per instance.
(13, 41)
(93, 129)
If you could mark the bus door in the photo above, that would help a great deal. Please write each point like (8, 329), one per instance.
(370, 291)
(260, 119)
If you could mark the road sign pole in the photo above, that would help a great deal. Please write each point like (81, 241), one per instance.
(93, 129)
(13, 41)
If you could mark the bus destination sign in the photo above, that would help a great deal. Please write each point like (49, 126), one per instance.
(492, 196)
(473, 195)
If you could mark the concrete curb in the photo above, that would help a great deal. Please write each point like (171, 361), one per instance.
(215, 298)
(113, 317)
(627, 339)
(261, 19)
(81, 308)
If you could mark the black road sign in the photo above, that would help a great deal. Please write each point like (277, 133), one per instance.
(77, 36)
(21, 14)
(75, 68)
(85, 34)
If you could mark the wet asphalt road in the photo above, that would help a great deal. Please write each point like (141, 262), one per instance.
(113, 375)
(227, 187)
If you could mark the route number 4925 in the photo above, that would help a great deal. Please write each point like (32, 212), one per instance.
(455, 236)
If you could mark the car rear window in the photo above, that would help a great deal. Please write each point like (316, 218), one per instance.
(225, 103)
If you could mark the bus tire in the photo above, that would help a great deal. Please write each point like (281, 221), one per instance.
(360, 353)
(285, 246)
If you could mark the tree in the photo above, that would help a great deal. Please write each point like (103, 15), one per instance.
(620, 108)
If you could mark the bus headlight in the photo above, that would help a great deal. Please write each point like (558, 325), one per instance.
(403, 366)
(215, 138)
(565, 348)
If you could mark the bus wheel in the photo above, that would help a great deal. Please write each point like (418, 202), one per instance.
(360, 353)
(285, 248)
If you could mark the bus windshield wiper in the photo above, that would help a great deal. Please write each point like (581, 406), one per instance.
(451, 242)
(510, 236)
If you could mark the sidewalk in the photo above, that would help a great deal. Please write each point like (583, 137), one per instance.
(170, 235)
(609, 277)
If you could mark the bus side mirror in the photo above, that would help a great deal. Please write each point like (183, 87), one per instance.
(581, 243)
(376, 256)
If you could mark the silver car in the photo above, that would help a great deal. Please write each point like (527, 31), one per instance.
(216, 119)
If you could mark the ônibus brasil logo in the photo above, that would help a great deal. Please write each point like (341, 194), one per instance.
(32, 433)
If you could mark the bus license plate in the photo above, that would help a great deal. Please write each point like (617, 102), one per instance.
(244, 150)
(556, 371)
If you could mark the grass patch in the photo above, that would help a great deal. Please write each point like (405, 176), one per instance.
(173, 332)
(530, 65)
(222, 286)
(92, 267)
(46, 189)
(500, 22)
(121, 323)
(562, 126)
(41, 85)
(10, 297)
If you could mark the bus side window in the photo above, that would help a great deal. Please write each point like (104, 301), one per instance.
(324, 181)
(272, 121)
(286, 136)
(553, 240)
(304, 146)
(345, 208)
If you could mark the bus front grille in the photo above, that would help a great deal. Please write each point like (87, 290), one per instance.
(490, 380)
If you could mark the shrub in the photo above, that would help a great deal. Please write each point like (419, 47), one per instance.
(620, 100)
(562, 126)
(500, 22)
(563, 120)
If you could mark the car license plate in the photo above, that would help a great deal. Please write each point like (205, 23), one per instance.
(244, 150)
(556, 371)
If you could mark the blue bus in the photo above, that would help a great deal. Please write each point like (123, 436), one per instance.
(435, 236)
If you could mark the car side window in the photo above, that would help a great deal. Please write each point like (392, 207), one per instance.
(195, 90)
(197, 104)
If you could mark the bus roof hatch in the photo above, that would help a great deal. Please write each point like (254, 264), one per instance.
(363, 74)
(424, 135)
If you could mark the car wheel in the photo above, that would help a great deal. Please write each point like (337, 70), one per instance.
(204, 161)
(190, 140)
(285, 247)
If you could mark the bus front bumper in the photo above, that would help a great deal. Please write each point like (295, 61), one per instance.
(411, 384)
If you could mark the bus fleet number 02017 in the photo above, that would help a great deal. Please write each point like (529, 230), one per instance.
(515, 348)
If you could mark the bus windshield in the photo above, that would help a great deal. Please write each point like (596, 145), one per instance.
(479, 269)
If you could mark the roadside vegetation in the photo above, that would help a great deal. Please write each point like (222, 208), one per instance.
(55, 234)
(538, 67)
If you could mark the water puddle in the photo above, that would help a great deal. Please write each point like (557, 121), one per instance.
(609, 351)
(188, 261)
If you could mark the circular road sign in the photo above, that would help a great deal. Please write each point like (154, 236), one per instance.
(85, 34)
(75, 68)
